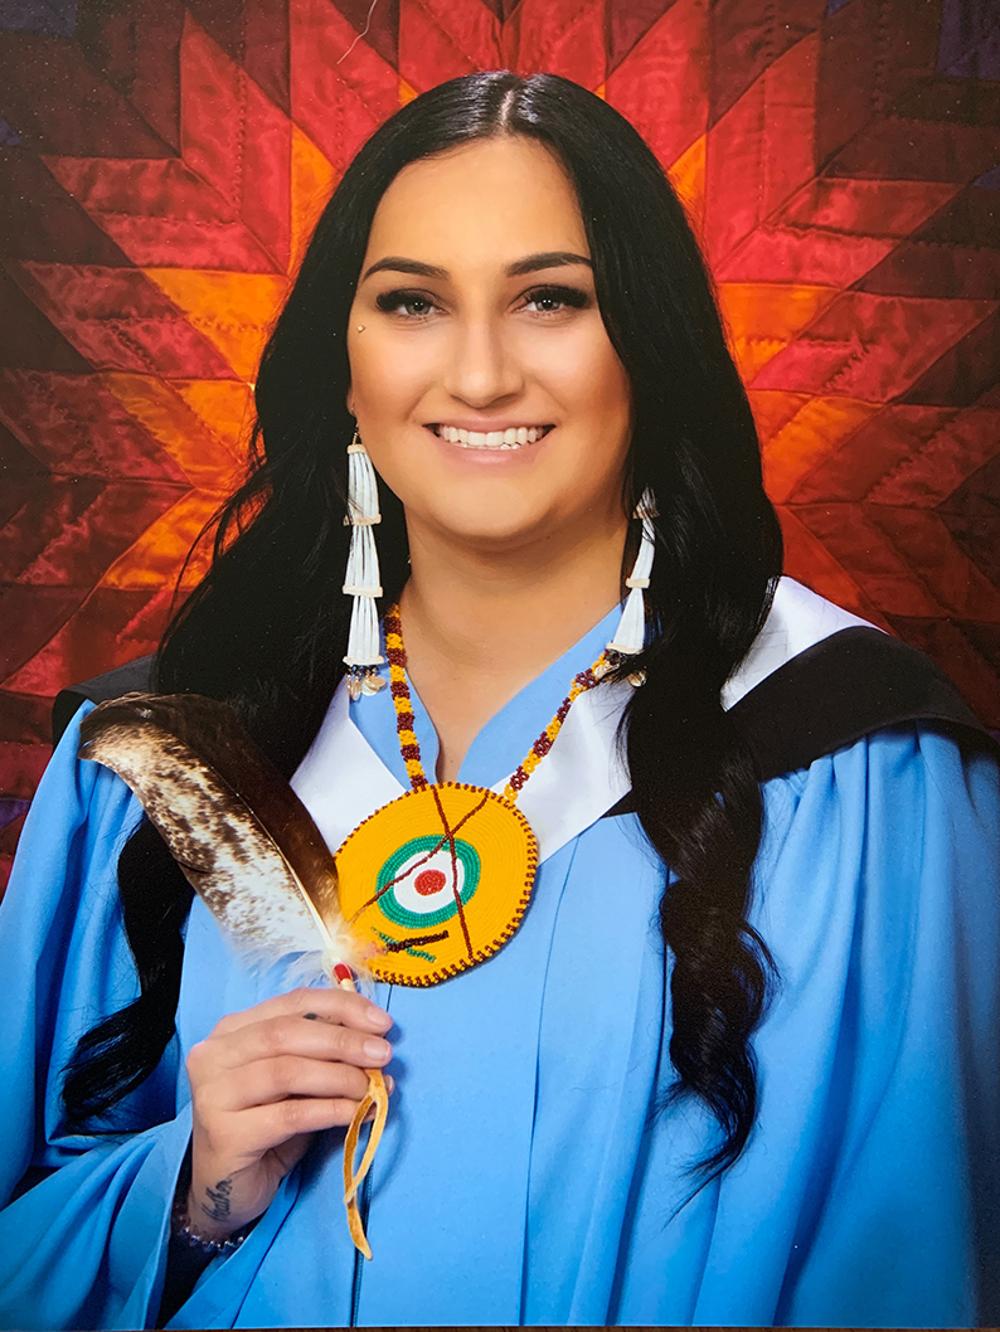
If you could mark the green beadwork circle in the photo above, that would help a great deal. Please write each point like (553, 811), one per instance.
(400, 915)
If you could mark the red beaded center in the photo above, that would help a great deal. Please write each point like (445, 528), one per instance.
(429, 881)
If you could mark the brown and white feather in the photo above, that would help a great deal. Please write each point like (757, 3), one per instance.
(240, 834)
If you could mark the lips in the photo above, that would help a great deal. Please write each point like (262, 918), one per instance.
(473, 444)
(435, 426)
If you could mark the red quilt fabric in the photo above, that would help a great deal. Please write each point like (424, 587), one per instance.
(161, 164)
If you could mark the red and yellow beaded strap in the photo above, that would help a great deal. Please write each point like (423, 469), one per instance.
(408, 744)
(439, 879)
(401, 701)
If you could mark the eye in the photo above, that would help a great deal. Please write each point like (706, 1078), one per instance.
(389, 301)
(566, 296)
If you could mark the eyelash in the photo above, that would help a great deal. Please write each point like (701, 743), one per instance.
(389, 300)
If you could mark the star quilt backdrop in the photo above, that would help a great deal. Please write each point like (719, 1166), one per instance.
(163, 162)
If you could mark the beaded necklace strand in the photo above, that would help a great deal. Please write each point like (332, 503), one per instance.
(403, 704)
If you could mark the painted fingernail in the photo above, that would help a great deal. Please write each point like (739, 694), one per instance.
(310, 1015)
(376, 1049)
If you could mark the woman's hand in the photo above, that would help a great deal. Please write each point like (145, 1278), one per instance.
(262, 1083)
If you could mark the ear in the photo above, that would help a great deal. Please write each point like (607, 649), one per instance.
(349, 400)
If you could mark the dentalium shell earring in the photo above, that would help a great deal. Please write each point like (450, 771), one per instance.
(362, 580)
(630, 636)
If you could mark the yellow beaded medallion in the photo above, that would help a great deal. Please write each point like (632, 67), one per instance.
(439, 879)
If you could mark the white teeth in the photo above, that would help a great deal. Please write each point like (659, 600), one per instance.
(513, 438)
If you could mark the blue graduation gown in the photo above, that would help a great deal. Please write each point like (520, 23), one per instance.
(523, 1177)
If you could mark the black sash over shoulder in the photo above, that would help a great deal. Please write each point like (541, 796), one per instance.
(847, 685)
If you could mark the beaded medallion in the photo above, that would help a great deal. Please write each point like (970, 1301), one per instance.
(439, 879)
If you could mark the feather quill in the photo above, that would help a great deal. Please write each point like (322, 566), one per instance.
(245, 843)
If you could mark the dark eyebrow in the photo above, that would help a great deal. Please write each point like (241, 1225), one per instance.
(531, 263)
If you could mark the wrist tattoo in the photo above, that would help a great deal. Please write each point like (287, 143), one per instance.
(218, 1207)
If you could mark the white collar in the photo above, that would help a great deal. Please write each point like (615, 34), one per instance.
(341, 780)
(798, 618)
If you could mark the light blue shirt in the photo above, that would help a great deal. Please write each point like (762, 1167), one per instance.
(523, 1177)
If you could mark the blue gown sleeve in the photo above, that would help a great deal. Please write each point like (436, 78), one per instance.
(86, 1246)
(900, 1222)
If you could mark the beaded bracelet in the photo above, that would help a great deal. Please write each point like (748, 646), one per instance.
(180, 1224)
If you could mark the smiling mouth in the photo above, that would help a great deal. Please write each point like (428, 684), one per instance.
(495, 441)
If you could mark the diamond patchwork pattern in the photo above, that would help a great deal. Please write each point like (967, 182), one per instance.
(161, 166)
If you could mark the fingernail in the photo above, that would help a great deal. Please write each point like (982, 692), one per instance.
(378, 1017)
(310, 1015)
(390, 1081)
(376, 1049)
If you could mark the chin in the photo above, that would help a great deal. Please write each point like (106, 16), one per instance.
(492, 525)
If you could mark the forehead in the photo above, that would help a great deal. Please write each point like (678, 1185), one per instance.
(480, 205)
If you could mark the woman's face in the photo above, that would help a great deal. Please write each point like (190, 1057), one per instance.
(473, 344)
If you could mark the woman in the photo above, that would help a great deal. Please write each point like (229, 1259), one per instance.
(737, 1061)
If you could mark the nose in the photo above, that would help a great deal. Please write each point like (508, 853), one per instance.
(481, 365)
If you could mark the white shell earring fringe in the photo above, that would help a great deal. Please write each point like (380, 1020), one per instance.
(362, 579)
(630, 636)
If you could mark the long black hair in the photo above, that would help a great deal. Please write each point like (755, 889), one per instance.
(267, 627)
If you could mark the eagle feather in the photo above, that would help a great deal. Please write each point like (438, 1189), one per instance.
(242, 837)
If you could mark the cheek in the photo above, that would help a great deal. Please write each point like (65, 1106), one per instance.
(596, 395)
(584, 375)
(387, 378)
(386, 391)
